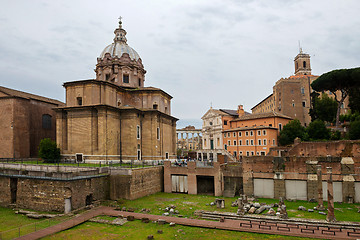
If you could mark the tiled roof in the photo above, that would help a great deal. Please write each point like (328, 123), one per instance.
(16, 93)
(229, 111)
(261, 115)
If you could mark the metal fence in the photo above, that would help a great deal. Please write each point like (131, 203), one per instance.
(29, 228)
(33, 227)
(74, 163)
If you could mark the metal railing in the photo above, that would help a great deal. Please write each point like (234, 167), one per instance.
(29, 228)
(33, 227)
(74, 163)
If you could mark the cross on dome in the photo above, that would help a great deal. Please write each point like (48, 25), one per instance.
(120, 21)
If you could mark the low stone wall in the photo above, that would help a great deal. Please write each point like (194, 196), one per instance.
(136, 183)
(43, 194)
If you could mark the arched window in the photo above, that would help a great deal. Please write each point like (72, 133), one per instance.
(304, 64)
(46, 121)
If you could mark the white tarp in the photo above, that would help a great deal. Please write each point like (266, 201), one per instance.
(338, 197)
(296, 189)
(179, 183)
(357, 192)
(264, 188)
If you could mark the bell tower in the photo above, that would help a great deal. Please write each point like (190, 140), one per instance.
(302, 63)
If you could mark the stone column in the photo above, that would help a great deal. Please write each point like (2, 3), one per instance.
(193, 141)
(348, 183)
(199, 141)
(330, 192)
(320, 205)
(187, 141)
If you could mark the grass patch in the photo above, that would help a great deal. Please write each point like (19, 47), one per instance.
(11, 222)
(186, 204)
(138, 230)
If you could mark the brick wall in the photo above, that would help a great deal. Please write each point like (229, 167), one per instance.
(50, 195)
(25, 118)
(136, 183)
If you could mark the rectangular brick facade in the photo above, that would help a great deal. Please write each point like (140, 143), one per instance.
(21, 122)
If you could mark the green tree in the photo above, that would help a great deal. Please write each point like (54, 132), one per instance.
(318, 131)
(354, 99)
(323, 108)
(341, 80)
(291, 131)
(48, 150)
(354, 132)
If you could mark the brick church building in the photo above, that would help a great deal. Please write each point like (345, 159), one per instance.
(114, 116)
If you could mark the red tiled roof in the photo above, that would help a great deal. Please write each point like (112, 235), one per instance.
(260, 115)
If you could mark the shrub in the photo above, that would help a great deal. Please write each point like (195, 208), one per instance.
(48, 150)
(318, 131)
(291, 131)
(354, 132)
(336, 135)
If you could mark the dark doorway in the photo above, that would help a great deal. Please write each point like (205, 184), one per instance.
(233, 186)
(205, 185)
(89, 199)
(13, 189)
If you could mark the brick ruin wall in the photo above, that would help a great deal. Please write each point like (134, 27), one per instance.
(47, 190)
(280, 169)
(50, 195)
(136, 183)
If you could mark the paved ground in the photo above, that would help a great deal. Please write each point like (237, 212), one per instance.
(256, 226)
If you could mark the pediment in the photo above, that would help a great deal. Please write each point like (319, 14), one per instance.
(210, 113)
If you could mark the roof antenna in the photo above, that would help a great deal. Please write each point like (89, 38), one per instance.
(300, 49)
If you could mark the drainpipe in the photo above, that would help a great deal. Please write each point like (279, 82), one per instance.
(120, 141)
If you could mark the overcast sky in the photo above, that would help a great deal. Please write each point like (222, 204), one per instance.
(202, 52)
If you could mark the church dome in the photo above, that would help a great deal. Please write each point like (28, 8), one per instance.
(120, 46)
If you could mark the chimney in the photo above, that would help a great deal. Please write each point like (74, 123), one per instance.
(240, 110)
